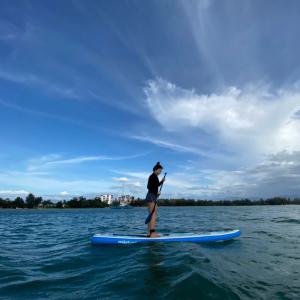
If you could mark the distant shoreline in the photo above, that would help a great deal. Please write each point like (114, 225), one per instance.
(74, 208)
(242, 202)
(32, 202)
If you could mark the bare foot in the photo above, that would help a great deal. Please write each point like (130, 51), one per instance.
(154, 234)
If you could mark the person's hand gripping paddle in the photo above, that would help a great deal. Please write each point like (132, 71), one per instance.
(148, 219)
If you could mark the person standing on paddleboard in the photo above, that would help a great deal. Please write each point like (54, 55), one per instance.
(151, 198)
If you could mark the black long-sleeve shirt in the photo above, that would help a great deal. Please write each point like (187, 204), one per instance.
(153, 184)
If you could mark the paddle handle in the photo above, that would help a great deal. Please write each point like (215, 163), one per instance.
(162, 183)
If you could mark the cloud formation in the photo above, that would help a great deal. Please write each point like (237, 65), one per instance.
(165, 144)
(64, 193)
(253, 121)
(13, 193)
(120, 179)
(256, 128)
(55, 160)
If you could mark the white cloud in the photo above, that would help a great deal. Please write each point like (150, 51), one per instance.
(120, 179)
(64, 193)
(165, 144)
(137, 184)
(135, 174)
(41, 185)
(54, 160)
(175, 181)
(278, 175)
(256, 131)
(16, 192)
(247, 122)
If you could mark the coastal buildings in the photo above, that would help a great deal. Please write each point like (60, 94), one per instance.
(122, 200)
(125, 199)
(108, 198)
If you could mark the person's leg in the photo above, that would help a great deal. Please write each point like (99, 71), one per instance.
(152, 223)
(154, 217)
(150, 208)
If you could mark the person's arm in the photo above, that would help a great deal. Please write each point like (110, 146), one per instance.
(161, 182)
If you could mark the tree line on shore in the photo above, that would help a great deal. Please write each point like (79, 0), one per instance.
(240, 202)
(37, 202)
(32, 201)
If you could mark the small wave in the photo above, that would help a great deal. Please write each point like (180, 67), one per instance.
(193, 285)
(286, 220)
(269, 234)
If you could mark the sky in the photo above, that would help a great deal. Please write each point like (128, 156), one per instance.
(94, 93)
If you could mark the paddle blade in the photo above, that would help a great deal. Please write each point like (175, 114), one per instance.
(148, 219)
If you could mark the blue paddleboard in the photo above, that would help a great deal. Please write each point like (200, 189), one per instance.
(175, 237)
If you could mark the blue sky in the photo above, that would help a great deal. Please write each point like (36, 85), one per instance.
(94, 93)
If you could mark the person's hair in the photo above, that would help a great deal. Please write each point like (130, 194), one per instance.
(157, 166)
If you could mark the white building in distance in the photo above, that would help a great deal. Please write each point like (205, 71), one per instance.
(126, 199)
(107, 198)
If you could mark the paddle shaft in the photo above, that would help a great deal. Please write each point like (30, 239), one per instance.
(155, 203)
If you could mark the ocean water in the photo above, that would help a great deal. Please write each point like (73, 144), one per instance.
(46, 254)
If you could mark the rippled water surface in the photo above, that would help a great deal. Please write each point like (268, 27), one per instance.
(46, 254)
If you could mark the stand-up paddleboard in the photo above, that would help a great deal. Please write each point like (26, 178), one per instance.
(175, 237)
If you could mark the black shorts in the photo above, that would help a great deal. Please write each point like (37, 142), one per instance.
(150, 197)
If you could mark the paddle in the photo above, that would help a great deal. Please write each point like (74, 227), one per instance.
(148, 219)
